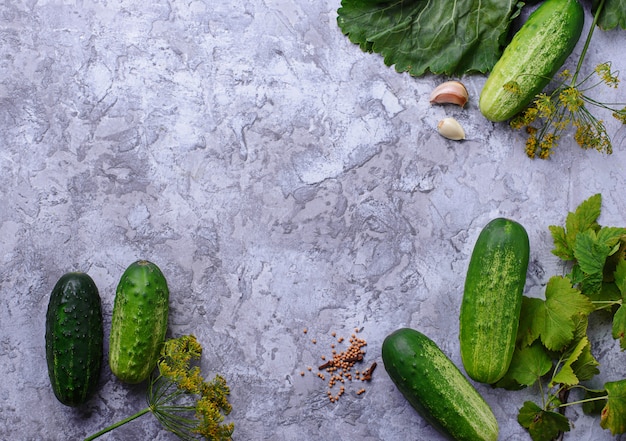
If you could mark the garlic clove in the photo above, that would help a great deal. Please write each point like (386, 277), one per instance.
(450, 92)
(451, 129)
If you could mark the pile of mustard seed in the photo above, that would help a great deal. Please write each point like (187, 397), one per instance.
(339, 367)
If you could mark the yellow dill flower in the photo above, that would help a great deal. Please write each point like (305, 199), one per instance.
(513, 87)
(607, 76)
(191, 381)
(525, 118)
(545, 152)
(531, 146)
(565, 75)
(545, 106)
(518, 121)
(210, 421)
(571, 99)
(620, 115)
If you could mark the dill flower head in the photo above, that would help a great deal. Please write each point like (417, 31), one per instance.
(607, 76)
(620, 115)
(549, 115)
(182, 400)
(571, 98)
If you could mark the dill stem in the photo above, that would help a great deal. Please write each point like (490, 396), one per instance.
(596, 16)
(118, 424)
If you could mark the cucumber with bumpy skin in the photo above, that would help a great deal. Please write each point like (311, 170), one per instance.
(139, 322)
(436, 388)
(74, 338)
(492, 299)
(534, 55)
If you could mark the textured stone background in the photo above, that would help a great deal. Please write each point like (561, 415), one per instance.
(281, 179)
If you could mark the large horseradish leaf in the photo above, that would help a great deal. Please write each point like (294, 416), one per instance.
(613, 14)
(442, 36)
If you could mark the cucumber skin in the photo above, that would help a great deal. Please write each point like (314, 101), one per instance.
(436, 388)
(139, 322)
(534, 55)
(492, 299)
(74, 338)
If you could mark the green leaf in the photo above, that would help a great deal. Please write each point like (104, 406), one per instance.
(593, 251)
(620, 277)
(555, 323)
(614, 412)
(566, 374)
(613, 14)
(444, 37)
(529, 364)
(593, 404)
(527, 331)
(583, 218)
(586, 366)
(580, 220)
(619, 326)
(561, 247)
(590, 252)
(542, 425)
(609, 292)
(611, 236)
(591, 286)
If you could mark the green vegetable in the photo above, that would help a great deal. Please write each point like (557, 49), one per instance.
(443, 37)
(74, 338)
(492, 299)
(139, 322)
(436, 388)
(535, 54)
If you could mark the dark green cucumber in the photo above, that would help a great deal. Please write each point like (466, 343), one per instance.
(74, 338)
(436, 388)
(139, 322)
(534, 55)
(492, 299)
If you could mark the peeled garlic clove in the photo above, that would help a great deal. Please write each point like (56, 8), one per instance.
(451, 129)
(450, 92)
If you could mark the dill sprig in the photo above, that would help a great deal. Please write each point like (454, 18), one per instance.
(568, 105)
(181, 399)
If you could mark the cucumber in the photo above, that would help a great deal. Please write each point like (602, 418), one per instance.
(534, 55)
(436, 388)
(492, 299)
(74, 338)
(139, 322)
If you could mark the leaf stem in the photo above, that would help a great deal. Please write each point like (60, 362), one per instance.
(118, 424)
(596, 16)
(586, 400)
(605, 304)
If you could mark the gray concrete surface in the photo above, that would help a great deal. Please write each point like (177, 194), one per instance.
(282, 179)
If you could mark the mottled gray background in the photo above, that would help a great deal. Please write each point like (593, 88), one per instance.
(281, 179)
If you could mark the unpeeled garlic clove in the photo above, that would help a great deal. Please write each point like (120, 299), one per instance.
(450, 92)
(451, 129)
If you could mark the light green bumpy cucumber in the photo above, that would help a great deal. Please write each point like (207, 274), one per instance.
(534, 55)
(139, 322)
